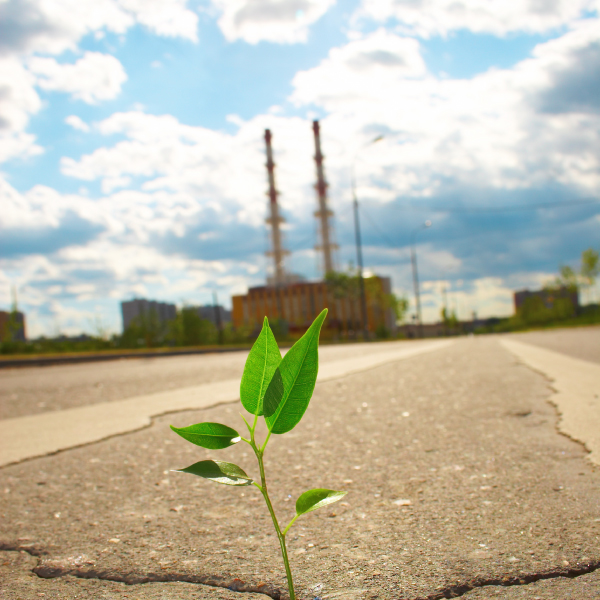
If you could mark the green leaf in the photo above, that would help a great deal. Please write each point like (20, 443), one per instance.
(292, 385)
(318, 498)
(263, 360)
(209, 435)
(218, 471)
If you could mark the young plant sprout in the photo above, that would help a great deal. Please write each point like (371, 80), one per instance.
(279, 390)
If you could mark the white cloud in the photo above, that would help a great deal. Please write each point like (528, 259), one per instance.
(194, 198)
(49, 27)
(281, 21)
(491, 130)
(218, 170)
(18, 101)
(77, 123)
(382, 59)
(168, 18)
(41, 207)
(41, 26)
(94, 77)
(485, 296)
(427, 18)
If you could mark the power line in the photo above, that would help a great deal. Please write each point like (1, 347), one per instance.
(380, 231)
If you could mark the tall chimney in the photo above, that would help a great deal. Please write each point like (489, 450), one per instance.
(323, 213)
(274, 219)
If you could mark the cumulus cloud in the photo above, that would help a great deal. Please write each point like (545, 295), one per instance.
(212, 169)
(492, 130)
(281, 21)
(42, 208)
(481, 141)
(427, 18)
(77, 123)
(94, 77)
(18, 101)
(382, 58)
(28, 26)
(181, 204)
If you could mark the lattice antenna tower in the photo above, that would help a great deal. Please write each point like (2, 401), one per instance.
(274, 219)
(324, 214)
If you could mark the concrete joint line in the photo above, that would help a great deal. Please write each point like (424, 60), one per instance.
(33, 436)
(577, 392)
(52, 571)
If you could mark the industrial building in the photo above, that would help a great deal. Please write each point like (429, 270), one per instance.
(299, 303)
(289, 298)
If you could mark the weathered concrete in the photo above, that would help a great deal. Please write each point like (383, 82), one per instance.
(457, 479)
(577, 386)
(47, 433)
(32, 391)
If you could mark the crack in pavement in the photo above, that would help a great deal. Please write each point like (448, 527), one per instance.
(460, 589)
(575, 384)
(49, 571)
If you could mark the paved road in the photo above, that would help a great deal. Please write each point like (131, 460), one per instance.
(458, 481)
(582, 343)
(35, 390)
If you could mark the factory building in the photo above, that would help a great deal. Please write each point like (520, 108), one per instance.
(288, 297)
(298, 304)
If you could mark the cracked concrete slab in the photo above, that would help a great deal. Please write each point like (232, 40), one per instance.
(577, 386)
(452, 461)
(18, 582)
(585, 587)
(37, 435)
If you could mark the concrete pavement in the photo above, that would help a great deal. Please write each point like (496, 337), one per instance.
(577, 386)
(42, 434)
(458, 482)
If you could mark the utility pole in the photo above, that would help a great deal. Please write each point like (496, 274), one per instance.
(359, 257)
(446, 315)
(413, 260)
(359, 260)
(274, 219)
(218, 317)
(323, 213)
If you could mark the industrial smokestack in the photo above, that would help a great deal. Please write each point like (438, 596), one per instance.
(274, 219)
(323, 214)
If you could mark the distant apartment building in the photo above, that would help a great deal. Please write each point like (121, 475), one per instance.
(12, 326)
(217, 315)
(548, 297)
(140, 307)
(299, 303)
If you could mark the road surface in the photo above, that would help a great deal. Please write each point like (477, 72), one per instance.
(459, 483)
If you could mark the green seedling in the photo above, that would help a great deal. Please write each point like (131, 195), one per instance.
(278, 390)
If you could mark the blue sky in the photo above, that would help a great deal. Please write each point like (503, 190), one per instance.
(132, 158)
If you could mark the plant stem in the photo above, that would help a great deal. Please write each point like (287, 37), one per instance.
(280, 535)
